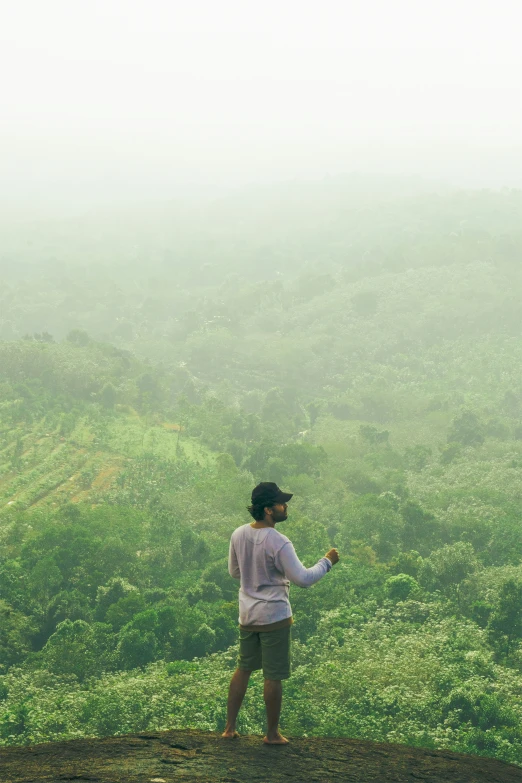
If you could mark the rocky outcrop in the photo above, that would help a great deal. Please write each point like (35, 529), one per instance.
(172, 756)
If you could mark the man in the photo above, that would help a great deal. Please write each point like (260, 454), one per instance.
(265, 561)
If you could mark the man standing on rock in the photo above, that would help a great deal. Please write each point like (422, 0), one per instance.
(266, 562)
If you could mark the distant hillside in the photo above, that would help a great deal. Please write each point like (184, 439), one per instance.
(42, 467)
(68, 428)
(304, 284)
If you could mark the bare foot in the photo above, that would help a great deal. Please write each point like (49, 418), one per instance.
(277, 740)
(231, 734)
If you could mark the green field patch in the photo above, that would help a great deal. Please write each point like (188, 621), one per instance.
(133, 437)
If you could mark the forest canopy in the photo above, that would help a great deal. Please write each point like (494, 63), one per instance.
(357, 341)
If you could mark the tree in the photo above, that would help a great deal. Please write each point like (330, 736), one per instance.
(276, 469)
(302, 458)
(275, 408)
(417, 457)
(135, 647)
(79, 648)
(359, 482)
(123, 611)
(150, 391)
(374, 521)
(108, 396)
(406, 563)
(168, 632)
(447, 567)
(201, 643)
(45, 578)
(399, 587)
(111, 593)
(225, 464)
(314, 410)
(466, 429)
(505, 624)
(449, 453)
(79, 336)
(372, 435)
(68, 605)
(217, 574)
(15, 635)
(421, 528)
(14, 584)
(225, 628)
(257, 458)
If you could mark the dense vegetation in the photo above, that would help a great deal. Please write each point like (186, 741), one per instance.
(357, 342)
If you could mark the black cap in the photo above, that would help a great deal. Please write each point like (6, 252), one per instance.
(267, 493)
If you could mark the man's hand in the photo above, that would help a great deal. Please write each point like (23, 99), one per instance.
(333, 555)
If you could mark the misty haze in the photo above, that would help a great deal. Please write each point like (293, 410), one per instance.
(243, 247)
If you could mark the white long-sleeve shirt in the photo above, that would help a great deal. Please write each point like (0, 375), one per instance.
(266, 562)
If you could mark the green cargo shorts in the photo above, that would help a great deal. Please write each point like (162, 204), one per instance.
(267, 650)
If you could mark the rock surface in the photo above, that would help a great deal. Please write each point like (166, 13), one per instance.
(190, 755)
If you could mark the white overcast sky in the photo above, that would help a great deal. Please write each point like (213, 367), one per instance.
(102, 99)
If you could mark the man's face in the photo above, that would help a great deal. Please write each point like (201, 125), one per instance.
(279, 512)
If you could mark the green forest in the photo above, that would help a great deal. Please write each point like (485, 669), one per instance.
(356, 340)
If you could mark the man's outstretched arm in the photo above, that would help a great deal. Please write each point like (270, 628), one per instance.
(289, 564)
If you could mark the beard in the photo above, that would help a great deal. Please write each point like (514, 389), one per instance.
(279, 516)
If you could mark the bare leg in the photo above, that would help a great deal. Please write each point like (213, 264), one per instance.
(273, 693)
(236, 693)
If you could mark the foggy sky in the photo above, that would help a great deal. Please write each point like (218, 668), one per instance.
(125, 99)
